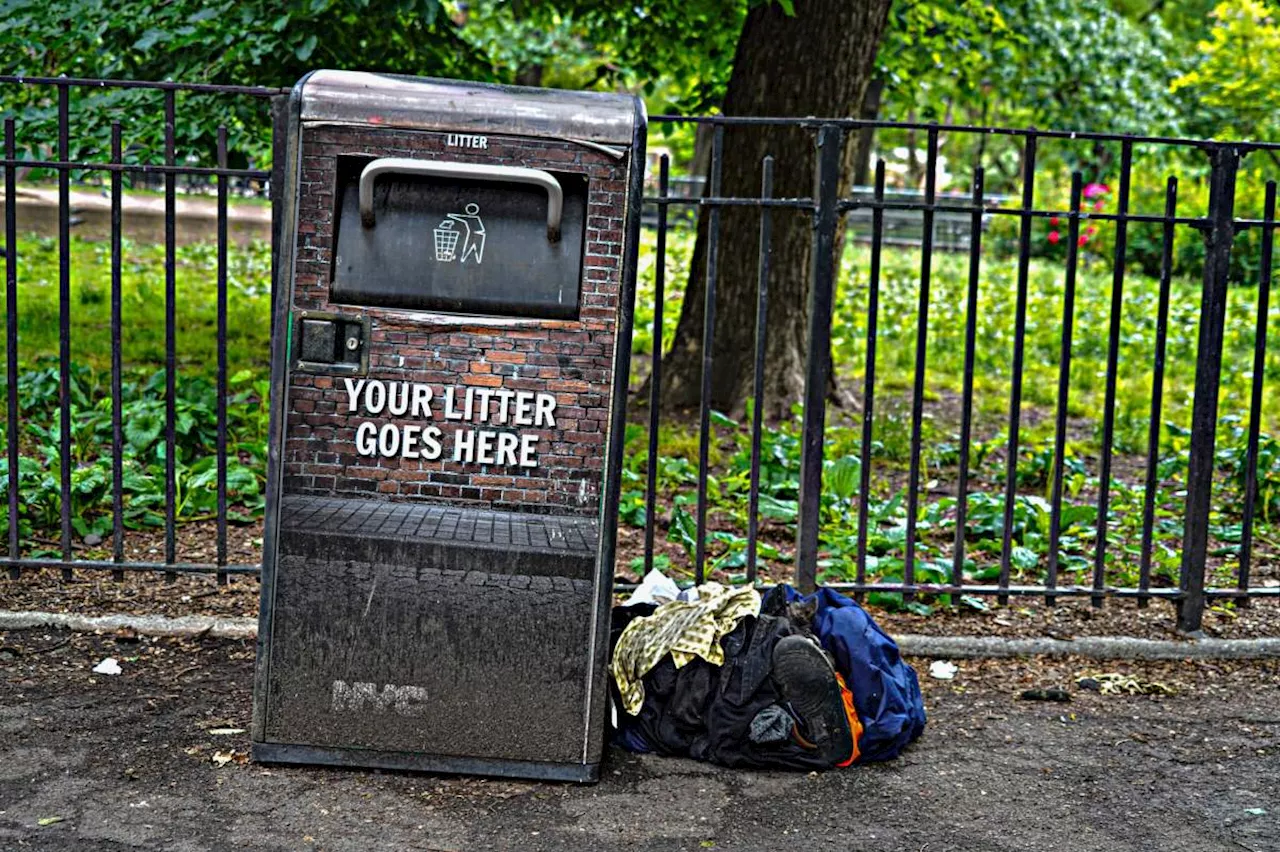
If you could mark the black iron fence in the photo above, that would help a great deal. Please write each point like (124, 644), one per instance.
(1204, 528)
(941, 480)
(38, 156)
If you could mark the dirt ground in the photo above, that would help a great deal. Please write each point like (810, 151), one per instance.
(104, 763)
(95, 593)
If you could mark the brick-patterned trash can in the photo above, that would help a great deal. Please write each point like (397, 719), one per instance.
(452, 334)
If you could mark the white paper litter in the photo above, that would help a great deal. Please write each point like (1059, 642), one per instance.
(943, 669)
(655, 588)
(109, 666)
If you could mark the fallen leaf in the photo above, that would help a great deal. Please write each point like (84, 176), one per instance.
(48, 820)
(1256, 811)
(222, 758)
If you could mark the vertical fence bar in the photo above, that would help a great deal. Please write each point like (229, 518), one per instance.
(922, 340)
(818, 355)
(708, 341)
(1064, 387)
(1204, 409)
(117, 390)
(279, 139)
(1019, 343)
(11, 337)
(170, 342)
(966, 405)
(762, 339)
(222, 357)
(655, 375)
(1113, 358)
(1255, 404)
(1157, 391)
(869, 379)
(64, 315)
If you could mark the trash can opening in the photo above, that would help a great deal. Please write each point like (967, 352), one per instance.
(457, 238)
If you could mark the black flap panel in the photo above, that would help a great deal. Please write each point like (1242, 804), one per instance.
(459, 245)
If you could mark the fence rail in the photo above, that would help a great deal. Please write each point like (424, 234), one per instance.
(977, 215)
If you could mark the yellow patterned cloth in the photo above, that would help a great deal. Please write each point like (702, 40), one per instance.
(682, 629)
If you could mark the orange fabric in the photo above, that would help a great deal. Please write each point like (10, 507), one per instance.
(855, 725)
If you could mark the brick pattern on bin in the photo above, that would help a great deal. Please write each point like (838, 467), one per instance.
(571, 359)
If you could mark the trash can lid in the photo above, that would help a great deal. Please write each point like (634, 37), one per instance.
(423, 103)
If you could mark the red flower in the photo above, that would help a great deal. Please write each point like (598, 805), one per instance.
(1054, 236)
(1098, 206)
(1083, 240)
(1091, 230)
(1053, 220)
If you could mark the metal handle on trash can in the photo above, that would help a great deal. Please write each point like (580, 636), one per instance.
(510, 174)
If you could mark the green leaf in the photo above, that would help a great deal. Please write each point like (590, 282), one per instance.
(722, 420)
(841, 478)
(1024, 558)
(142, 428)
(779, 510)
(683, 529)
(304, 50)
(149, 39)
(891, 601)
(986, 573)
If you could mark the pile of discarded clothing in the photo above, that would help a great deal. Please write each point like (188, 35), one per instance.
(784, 681)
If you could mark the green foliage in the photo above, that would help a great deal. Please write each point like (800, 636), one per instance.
(143, 456)
(730, 448)
(935, 53)
(259, 42)
(1235, 71)
(143, 401)
(678, 55)
(890, 449)
(1084, 67)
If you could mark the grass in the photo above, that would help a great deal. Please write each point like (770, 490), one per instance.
(143, 304)
(248, 333)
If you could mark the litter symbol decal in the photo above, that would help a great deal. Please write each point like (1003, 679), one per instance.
(467, 228)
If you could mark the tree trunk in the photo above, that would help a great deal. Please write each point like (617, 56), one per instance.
(816, 63)
(867, 135)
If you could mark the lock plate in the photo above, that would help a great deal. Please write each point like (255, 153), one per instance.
(330, 343)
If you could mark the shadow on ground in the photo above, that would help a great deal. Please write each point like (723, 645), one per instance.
(131, 762)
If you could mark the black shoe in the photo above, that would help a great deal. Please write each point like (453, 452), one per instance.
(807, 682)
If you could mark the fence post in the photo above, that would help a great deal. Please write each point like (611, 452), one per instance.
(1204, 411)
(279, 135)
(826, 190)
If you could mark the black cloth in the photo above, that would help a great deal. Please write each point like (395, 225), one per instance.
(705, 711)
